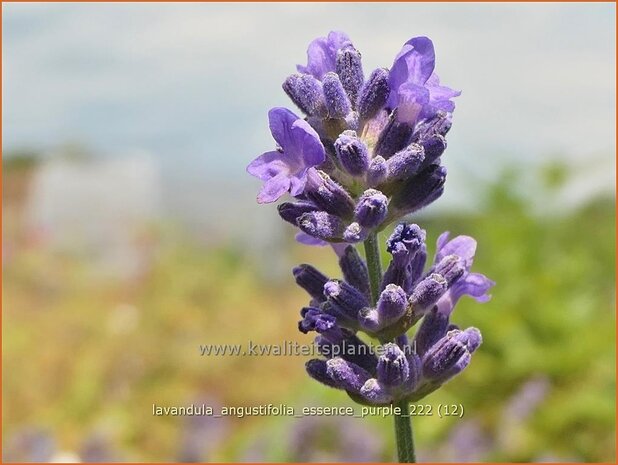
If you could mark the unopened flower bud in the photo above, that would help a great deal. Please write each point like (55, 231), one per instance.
(350, 71)
(352, 153)
(374, 94)
(337, 101)
(306, 93)
(371, 209)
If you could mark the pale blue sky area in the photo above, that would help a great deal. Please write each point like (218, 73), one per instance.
(192, 83)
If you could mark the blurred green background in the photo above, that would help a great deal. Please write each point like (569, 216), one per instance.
(131, 233)
(85, 355)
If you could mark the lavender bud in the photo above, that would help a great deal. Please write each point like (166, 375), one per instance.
(337, 102)
(428, 291)
(347, 375)
(369, 319)
(345, 298)
(374, 94)
(391, 304)
(416, 368)
(433, 328)
(322, 225)
(450, 355)
(350, 71)
(352, 153)
(316, 368)
(349, 347)
(438, 124)
(394, 137)
(372, 209)
(405, 163)
(417, 265)
(397, 274)
(393, 369)
(311, 280)
(328, 195)
(420, 190)
(375, 392)
(451, 268)
(405, 242)
(306, 93)
(354, 269)
(291, 211)
(355, 233)
(433, 147)
(377, 172)
(316, 320)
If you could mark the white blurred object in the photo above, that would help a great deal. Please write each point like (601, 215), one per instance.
(97, 207)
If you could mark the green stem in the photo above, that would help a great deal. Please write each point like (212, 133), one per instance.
(372, 253)
(403, 433)
(403, 422)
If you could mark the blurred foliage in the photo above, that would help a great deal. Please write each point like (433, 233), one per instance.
(81, 356)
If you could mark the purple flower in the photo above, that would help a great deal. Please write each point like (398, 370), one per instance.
(322, 54)
(285, 169)
(475, 285)
(415, 89)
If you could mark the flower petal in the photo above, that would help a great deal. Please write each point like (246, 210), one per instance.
(267, 165)
(310, 149)
(274, 188)
(414, 64)
(322, 54)
(462, 246)
(280, 121)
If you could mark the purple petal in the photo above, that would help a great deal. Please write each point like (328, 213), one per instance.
(274, 188)
(475, 285)
(462, 246)
(268, 165)
(411, 101)
(306, 239)
(280, 121)
(414, 64)
(322, 54)
(307, 142)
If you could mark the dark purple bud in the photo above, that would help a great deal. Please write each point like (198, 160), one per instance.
(369, 319)
(405, 242)
(316, 368)
(451, 268)
(416, 369)
(434, 147)
(350, 71)
(355, 233)
(374, 94)
(328, 195)
(398, 274)
(438, 124)
(345, 298)
(394, 137)
(316, 320)
(391, 304)
(352, 153)
(420, 190)
(434, 327)
(311, 280)
(377, 172)
(322, 225)
(405, 163)
(337, 102)
(371, 209)
(347, 375)
(306, 93)
(450, 355)
(375, 392)
(393, 369)
(427, 292)
(354, 269)
(417, 265)
(349, 347)
(291, 211)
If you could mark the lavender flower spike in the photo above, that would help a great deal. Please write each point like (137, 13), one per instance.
(285, 169)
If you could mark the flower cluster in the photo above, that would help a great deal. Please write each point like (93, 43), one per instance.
(340, 308)
(366, 153)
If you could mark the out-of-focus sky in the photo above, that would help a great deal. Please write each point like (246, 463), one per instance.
(192, 83)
